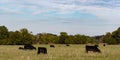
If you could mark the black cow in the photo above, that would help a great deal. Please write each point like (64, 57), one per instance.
(29, 47)
(67, 45)
(42, 50)
(104, 45)
(52, 46)
(21, 48)
(92, 48)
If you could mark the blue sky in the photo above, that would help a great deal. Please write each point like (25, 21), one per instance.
(89, 17)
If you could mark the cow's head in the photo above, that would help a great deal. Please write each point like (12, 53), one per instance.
(96, 45)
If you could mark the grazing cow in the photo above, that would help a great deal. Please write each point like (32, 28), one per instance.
(92, 48)
(104, 45)
(52, 46)
(29, 47)
(21, 48)
(67, 45)
(42, 50)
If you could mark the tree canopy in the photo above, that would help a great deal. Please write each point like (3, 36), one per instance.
(24, 36)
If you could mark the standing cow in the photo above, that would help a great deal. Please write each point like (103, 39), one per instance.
(104, 45)
(92, 48)
(67, 45)
(52, 46)
(42, 50)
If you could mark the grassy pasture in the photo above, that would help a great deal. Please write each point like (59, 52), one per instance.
(60, 52)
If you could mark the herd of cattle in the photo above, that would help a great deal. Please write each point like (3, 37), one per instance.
(43, 50)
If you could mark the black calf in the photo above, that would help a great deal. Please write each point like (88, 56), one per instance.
(67, 45)
(21, 48)
(52, 46)
(42, 50)
(104, 45)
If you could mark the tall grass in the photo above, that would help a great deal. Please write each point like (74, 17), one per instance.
(60, 52)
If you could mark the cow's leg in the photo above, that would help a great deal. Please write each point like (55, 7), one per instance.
(38, 52)
(99, 51)
(86, 51)
(45, 51)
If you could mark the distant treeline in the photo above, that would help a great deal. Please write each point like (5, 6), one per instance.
(23, 36)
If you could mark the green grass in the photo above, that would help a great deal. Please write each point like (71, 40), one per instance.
(60, 52)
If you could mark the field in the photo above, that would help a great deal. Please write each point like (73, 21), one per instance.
(60, 52)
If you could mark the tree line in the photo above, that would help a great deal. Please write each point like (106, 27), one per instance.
(23, 36)
(112, 38)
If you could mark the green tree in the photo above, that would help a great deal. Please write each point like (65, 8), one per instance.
(116, 35)
(112, 41)
(91, 40)
(52, 38)
(80, 39)
(47, 38)
(106, 38)
(110, 38)
(27, 37)
(3, 34)
(63, 36)
(70, 40)
(14, 38)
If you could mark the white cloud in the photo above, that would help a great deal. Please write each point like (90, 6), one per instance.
(100, 8)
(10, 11)
(103, 9)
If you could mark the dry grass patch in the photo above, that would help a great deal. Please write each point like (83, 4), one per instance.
(60, 52)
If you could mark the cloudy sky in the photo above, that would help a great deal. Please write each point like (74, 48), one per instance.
(89, 17)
